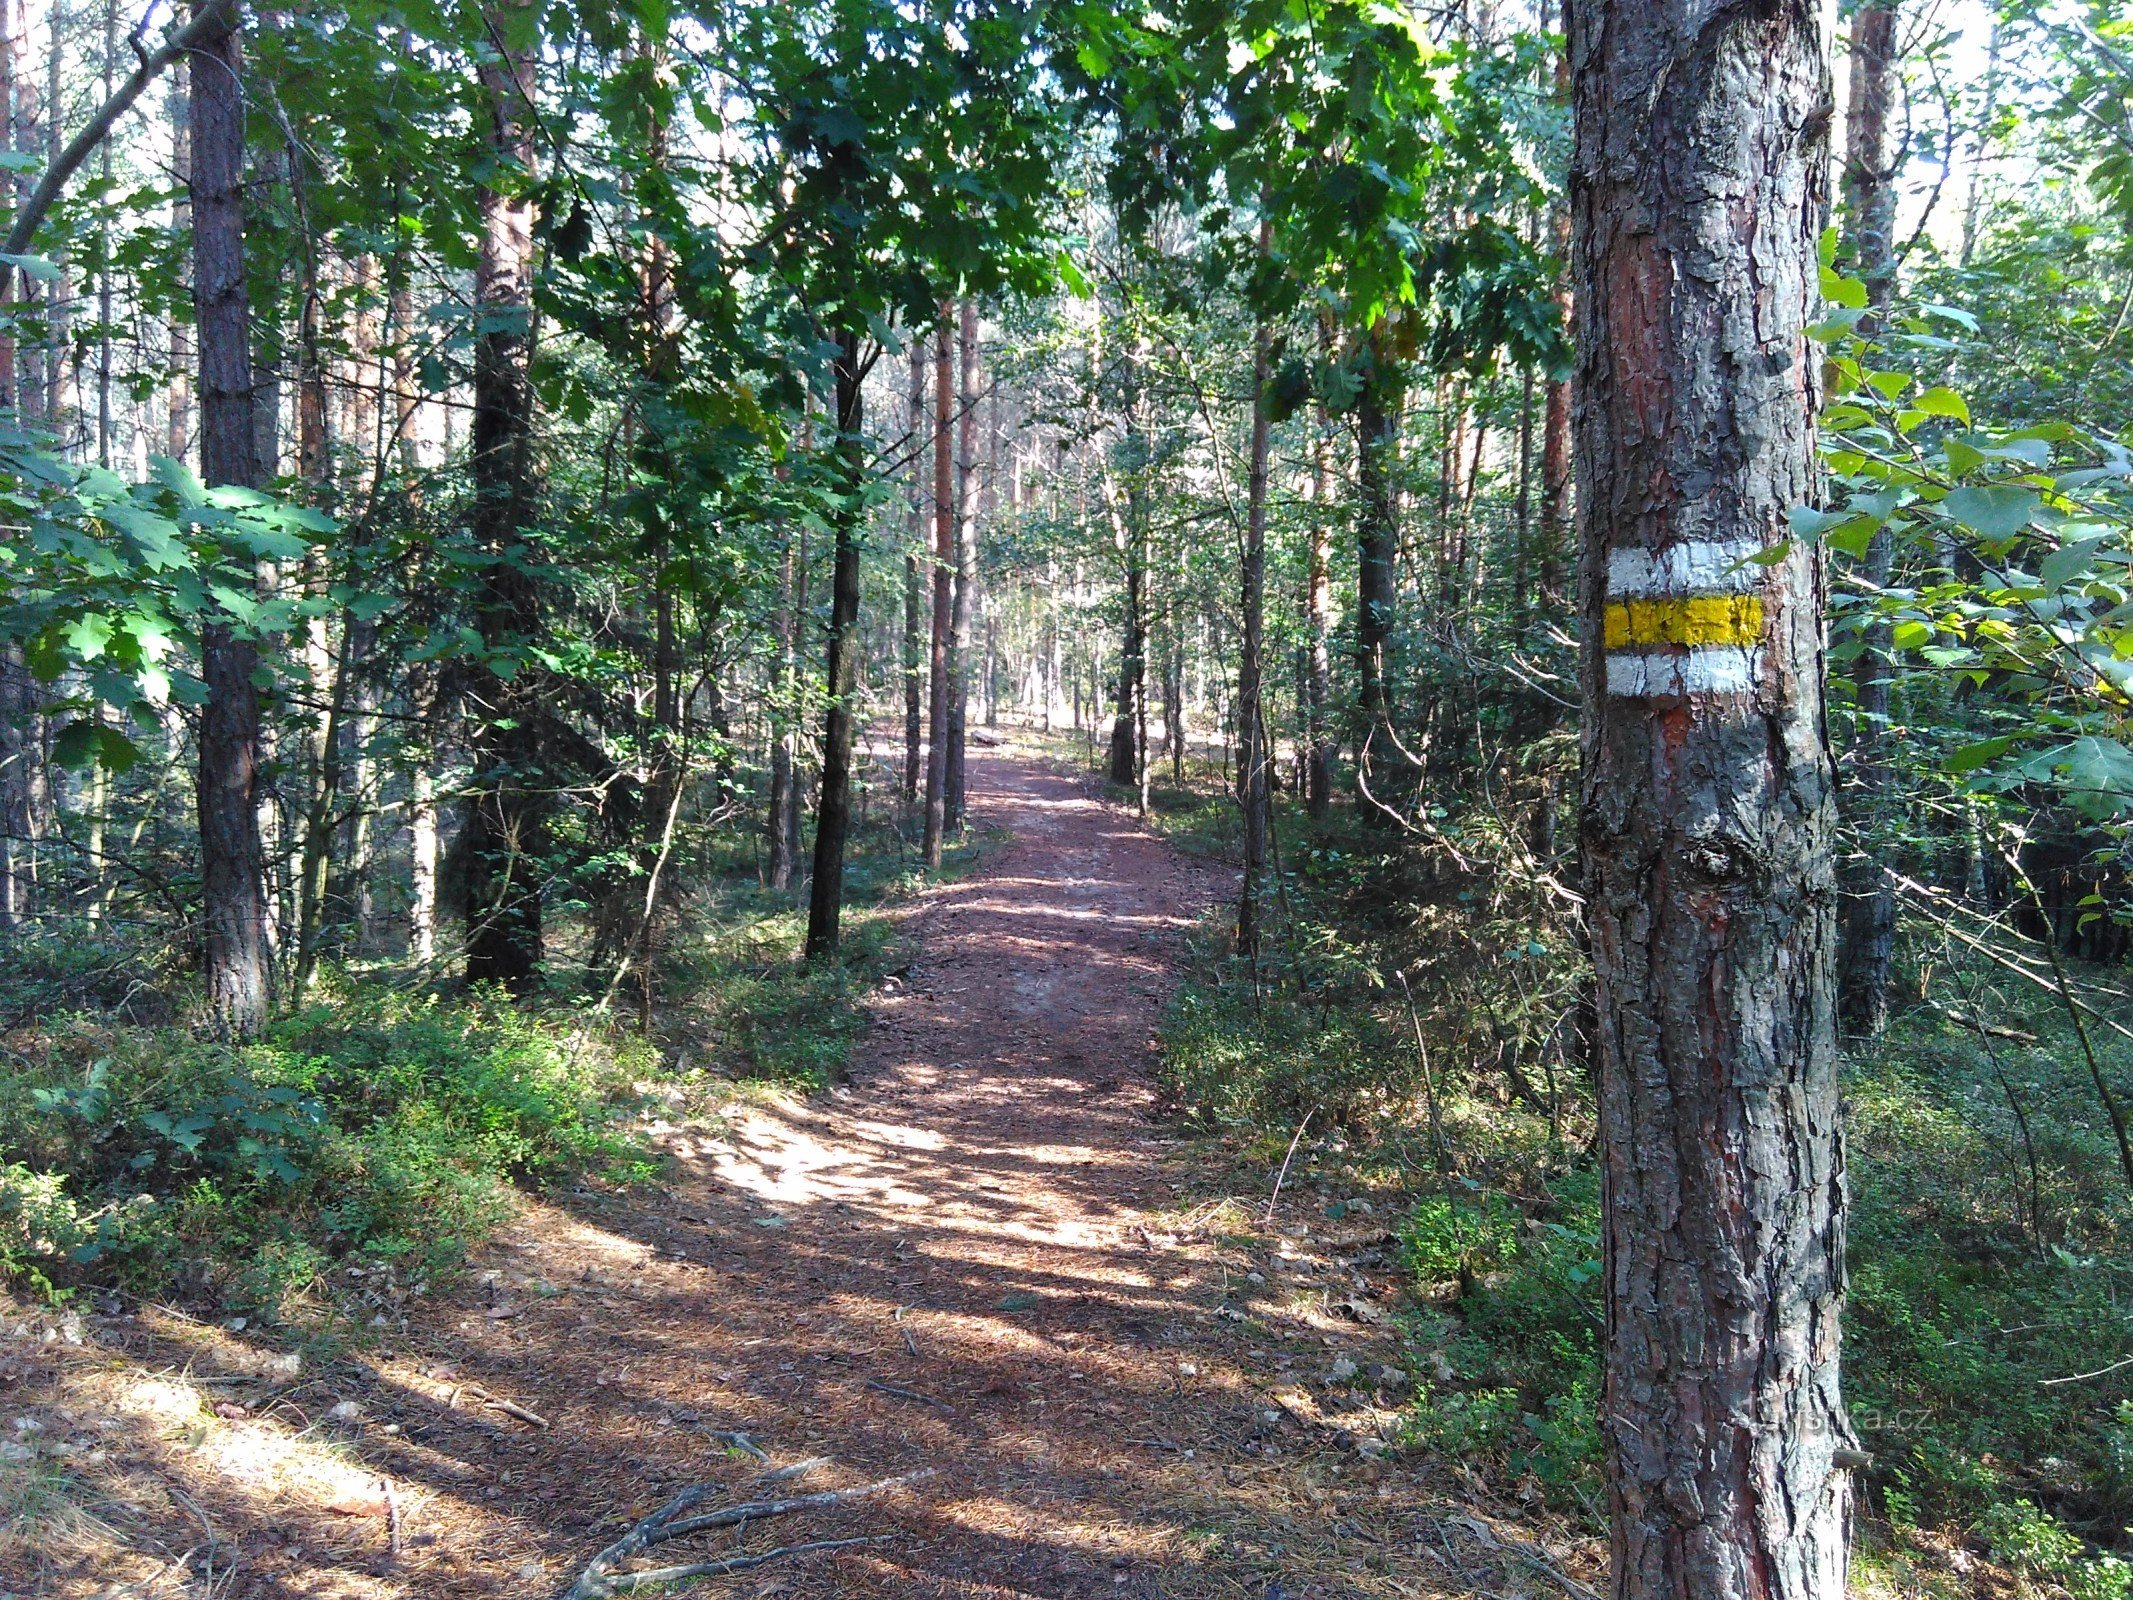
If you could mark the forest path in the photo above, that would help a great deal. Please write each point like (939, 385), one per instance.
(967, 1259)
(984, 1256)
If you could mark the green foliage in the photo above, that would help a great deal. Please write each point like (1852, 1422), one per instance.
(384, 1127)
(1230, 1062)
(1457, 1235)
(757, 1011)
(2033, 1542)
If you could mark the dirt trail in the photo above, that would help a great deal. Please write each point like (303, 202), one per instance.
(983, 1256)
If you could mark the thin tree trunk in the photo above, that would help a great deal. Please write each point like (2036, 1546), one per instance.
(422, 820)
(784, 815)
(1555, 511)
(506, 823)
(1522, 505)
(1377, 543)
(59, 293)
(961, 613)
(104, 416)
(943, 589)
(20, 754)
(1130, 535)
(1318, 606)
(234, 909)
(1251, 722)
(1699, 173)
(833, 813)
(915, 583)
(11, 49)
(1870, 195)
(178, 430)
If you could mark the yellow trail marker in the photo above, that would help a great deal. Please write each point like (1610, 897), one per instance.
(1704, 619)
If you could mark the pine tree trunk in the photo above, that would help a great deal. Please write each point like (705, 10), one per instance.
(1317, 608)
(20, 754)
(943, 589)
(178, 428)
(1129, 526)
(833, 814)
(966, 570)
(915, 584)
(10, 71)
(104, 415)
(1870, 196)
(1698, 196)
(784, 841)
(234, 908)
(506, 823)
(1253, 755)
(1377, 544)
(422, 819)
(1553, 554)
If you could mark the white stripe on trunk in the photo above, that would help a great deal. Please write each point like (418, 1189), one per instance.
(1717, 669)
(1695, 566)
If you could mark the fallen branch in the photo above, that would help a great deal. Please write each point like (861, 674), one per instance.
(669, 1522)
(1531, 1554)
(896, 1391)
(630, 1582)
(757, 1510)
(510, 1408)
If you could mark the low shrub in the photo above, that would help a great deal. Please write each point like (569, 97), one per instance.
(383, 1126)
(1522, 1342)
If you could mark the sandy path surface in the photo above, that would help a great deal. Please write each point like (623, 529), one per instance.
(983, 1258)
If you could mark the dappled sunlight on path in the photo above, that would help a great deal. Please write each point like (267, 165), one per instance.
(979, 1256)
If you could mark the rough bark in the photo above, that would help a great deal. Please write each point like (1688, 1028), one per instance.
(1377, 544)
(506, 820)
(834, 812)
(784, 830)
(178, 430)
(1252, 747)
(1870, 205)
(1698, 195)
(233, 893)
(914, 665)
(1317, 610)
(1129, 524)
(1554, 539)
(964, 607)
(422, 818)
(19, 755)
(943, 590)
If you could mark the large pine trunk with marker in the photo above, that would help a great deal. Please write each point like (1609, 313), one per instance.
(1698, 194)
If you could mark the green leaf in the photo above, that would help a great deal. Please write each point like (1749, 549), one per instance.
(2068, 562)
(83, 744)
(1943, 403)
(1997, 512)
(1973, 756)
(33, 267)
(88, 635)
(1847, 292)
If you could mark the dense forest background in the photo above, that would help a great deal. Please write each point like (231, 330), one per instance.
(516, 515)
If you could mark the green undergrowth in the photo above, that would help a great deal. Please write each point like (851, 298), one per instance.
(1991, 1242)
(381, 1133)
(377, 1128)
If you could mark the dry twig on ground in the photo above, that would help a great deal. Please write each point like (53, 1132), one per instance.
(600, 1577)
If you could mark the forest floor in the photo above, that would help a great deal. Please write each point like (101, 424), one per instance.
(987, 1257)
